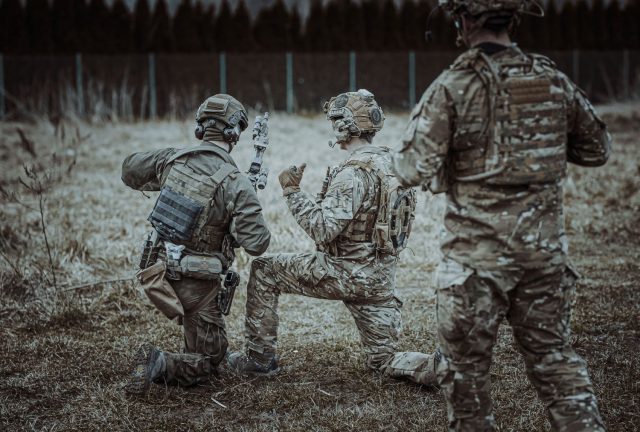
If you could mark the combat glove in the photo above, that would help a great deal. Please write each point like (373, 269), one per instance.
(290, 179)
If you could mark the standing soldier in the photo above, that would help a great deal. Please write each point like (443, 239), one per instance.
(205, 209)
(359, 222)
(495, 132)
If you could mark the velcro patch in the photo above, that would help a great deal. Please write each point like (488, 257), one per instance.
(525, 91)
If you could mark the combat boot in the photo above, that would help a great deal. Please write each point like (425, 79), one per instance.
(149, 365)
(243, 364)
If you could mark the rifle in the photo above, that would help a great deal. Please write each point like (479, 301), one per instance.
(257, 173)
(325, 185)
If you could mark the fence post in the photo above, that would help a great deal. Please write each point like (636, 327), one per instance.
(412, 79)
(625, 74)
(223, 72)
(79, 86)
(153, 101)
(575, 75)
(352, 71)
(290, 96)
(2, 106)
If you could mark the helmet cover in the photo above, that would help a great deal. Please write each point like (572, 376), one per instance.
(223, 108)
(354, 113)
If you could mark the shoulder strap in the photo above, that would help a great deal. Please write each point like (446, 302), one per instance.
(225, 170)
(187, 151)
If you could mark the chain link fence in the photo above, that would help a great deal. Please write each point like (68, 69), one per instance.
(137, 87)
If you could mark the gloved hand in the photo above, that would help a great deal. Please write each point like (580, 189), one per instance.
(290, 179)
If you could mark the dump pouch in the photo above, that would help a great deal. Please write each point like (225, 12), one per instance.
(159, 290)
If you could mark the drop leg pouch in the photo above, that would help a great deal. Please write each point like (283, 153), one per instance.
(159, 290)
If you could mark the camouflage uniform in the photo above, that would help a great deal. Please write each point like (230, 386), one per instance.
(341, 269)
(496, 131)
(235, 210)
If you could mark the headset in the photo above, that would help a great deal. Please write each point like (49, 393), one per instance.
(238, 122)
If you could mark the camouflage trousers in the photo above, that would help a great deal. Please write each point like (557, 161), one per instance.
(366, 290)
(537, 304)
(205, 338)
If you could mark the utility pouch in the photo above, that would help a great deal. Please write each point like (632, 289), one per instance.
(200, 267)
(225, 298)
(159, 290)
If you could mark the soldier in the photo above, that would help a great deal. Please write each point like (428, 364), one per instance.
(215, 208)
(495, 132)
(356, 255)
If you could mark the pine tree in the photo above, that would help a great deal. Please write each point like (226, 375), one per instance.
(631, 28)
(272, 28)
(161, 33)
(615, 23)
(336, 26)
(38, 24)
(373, 19)
(142, 26)
(99, 29)
(297, 42)
(121, 24)
(224, 28)
(63, 26)
(241, 29)
(599, 25)
(355, 32)
(569, 18)
(553, 25)
(391, 36)
(407, 21)
(13, 37)
(585, 28)
(80, 11)
(205, 20)
(184, 31)
(315, 34)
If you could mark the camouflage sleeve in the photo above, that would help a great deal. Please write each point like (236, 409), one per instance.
(588, 142)
(324, 221)
(248, 226)
(143, 170)
(426, 141)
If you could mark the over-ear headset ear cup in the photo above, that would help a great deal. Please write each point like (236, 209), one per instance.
(199, 132)
(231, 135)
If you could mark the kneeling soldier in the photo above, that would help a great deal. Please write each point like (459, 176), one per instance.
(202, 193)
(360, 223)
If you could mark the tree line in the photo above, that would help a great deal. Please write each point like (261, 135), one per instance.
(95, 26)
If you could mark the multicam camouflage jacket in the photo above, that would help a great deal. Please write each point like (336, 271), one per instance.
(234, 209)
(496, 132)
(338, 224)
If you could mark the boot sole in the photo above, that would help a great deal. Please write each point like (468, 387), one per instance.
(140, 379)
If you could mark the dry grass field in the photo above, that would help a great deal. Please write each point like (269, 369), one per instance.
(71, 318)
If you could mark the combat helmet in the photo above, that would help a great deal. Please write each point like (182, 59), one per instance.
(223, 117)
(353, 114)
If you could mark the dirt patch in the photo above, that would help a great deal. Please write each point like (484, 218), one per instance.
(67, 351)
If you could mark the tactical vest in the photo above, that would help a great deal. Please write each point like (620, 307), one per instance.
(184, 207)
(524, 139)
(386, 216)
